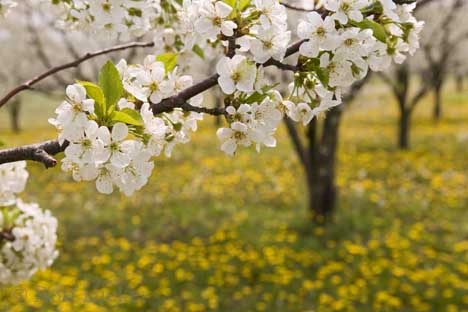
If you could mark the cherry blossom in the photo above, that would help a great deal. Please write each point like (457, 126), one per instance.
(237, 73)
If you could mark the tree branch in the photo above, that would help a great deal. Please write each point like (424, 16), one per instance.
(283, 66)
(419, 95)
(211, 111)
(28, 84)
(297, 143)
(301, 9)
(6, 235)
(180, 99)
(43, 152)
(40, 152)
(296, 8)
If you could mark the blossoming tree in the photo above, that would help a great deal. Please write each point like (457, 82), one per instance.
(442, 49)
(112, 131)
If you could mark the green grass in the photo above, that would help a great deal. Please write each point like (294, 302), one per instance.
(218, 234)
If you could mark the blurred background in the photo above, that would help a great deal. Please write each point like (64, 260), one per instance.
(365, 210)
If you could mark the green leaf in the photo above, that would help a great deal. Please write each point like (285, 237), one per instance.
(111, 84)
(199, 51)
(237, 6)
(5, 218)
(322, 73)
(377, 29)
(128, 116)
(243, 4)
(95, 92)
(231, 3)
(256, 97)
(169, 60)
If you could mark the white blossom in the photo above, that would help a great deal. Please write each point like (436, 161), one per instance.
(13, 178)
(272, 13)
(72, 114)
(214, 19)
(237, 134)
(269, 43)
(116, 147)
(33, 246)
(6, 6)
(236, 73)
(301, 112)
(346, 9)
(321, 34)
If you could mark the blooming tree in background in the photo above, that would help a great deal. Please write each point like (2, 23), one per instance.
(112, 131)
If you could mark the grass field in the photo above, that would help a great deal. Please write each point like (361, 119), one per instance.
(214, 234)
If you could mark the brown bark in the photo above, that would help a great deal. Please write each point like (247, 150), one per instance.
(404, 128)
(322, 187)
(437, 113)
(14, 111)
(459, 82)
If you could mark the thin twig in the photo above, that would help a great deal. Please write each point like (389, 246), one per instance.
(296, 8)
(284, 66)
(28, 84)
(6, 235)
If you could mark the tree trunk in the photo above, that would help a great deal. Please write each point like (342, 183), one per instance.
(321, 183)
(319, 157)
(437, 114)
(14, 110)
(459, 83)
(403, 133)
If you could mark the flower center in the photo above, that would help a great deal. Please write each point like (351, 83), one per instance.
(267, 44)
(106, 7)
(239, 136)
(321, 31)
(345, 6)
(331, 67)
(76, 107)
(236, 76)
(114, 147)
(217, 21)
(349, 42)
(86, 143)
(309, 84)
(154, 87)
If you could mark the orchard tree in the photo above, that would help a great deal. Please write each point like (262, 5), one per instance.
(112, 131)
(399, 79)
(442, 44)
(317, 151)
(441, 53)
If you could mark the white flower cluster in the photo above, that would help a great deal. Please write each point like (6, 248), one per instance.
(6, 6)
(117, 149)
(114, 145)
(263, 31)
(13, 178)
(112, 18)
(252, 124)
(337, 50)
(28, 235)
